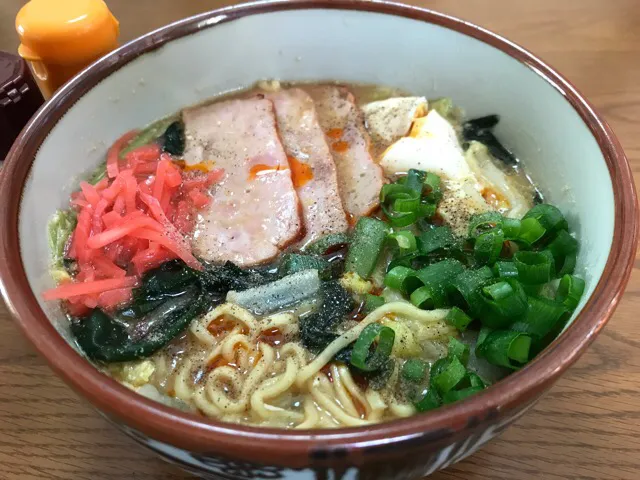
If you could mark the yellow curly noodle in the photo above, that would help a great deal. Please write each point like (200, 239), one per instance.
(235, 377)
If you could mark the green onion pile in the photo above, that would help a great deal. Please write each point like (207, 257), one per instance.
(449, 379)
(511, 279)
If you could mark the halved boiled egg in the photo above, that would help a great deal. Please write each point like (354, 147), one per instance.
(473, 183)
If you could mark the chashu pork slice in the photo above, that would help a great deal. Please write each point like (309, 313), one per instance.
(360, 178)
(312, 168)
(255, 210)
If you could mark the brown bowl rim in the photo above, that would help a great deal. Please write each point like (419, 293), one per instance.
(297, 448)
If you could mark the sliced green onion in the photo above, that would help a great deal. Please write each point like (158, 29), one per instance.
(407, 205)
(440, 271)
(457, 395)
(458, 319)
(366, 245)
(430, 401)
(360, 357)
(372, 302)
(488, 246)
(542, 316)
(475, 380)
(405, 240)
(480, 223)
(395, 191)
(564, 250)
(399, 219)
(534, 268)
(570, 290)
(511, 228)
(400, 204)
(450, 376)
(412, 198)
(436, 369)
(435, 279)
(463, 289)
(549, 216)
(413, 260)
(414, 179)
(434, 191)
(500, 303)
(328, 242)
(531, 230)
(505, 348)
(401, 201)
(458, 349)
(482, 336)
(499, 290)
(423, 298)
(414, 369)
(427, 210)
(562, 245)
(503, 269)
(402, 279)
(519, 349)
(436, 239)
(568, 265)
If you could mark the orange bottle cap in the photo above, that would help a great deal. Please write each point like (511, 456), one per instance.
(66, 32)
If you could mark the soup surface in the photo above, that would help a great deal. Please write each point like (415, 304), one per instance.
(312, 256)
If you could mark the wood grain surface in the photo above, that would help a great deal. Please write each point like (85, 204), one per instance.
(587, 427)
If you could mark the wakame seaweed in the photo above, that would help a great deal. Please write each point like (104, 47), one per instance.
(219, 279)
(106, 339)
(173, 139)
(167, 278)
(170, 297)
(319, 329)
(481, 130)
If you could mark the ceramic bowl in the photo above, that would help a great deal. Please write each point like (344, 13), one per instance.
(566, 146)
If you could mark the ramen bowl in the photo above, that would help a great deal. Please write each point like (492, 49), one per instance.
(568, 148)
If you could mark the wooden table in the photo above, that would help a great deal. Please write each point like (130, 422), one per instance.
(587, 427)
